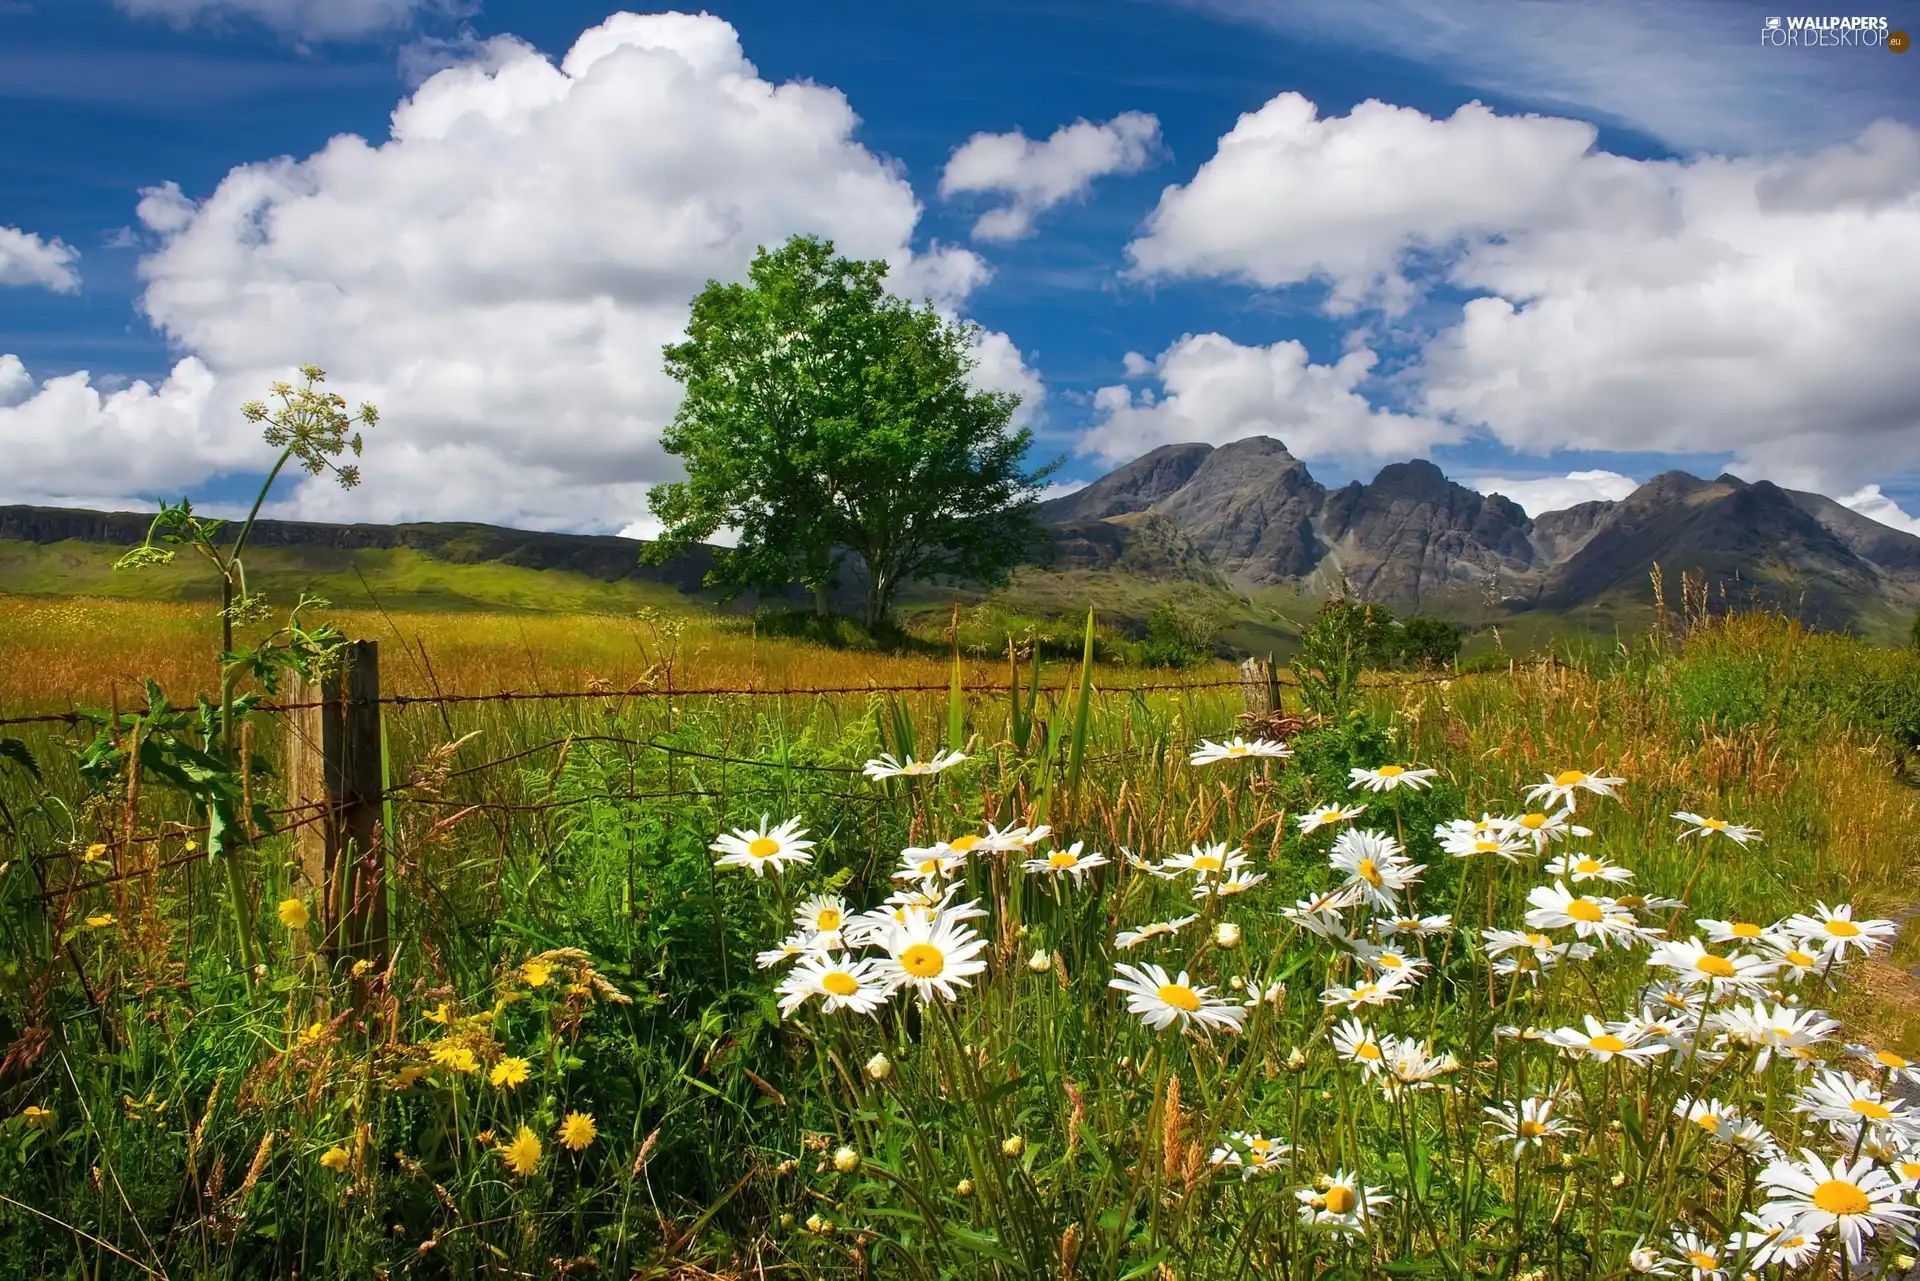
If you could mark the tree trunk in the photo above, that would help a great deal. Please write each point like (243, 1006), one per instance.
(819, 600)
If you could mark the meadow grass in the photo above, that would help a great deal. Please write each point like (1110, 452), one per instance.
(571, 1059)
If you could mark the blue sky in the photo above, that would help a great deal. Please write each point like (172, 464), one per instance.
(111, 99)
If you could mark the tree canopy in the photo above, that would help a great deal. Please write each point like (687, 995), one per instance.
(829, 423)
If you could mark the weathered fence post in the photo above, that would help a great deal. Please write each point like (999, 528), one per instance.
(333, 781)
(1260, 686)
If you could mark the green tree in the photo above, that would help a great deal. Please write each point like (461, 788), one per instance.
(827, 423)
(1427, 642)
(1345, 638)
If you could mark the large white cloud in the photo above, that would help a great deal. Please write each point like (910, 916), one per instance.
(1213, 389)
(1539, 494)
(308, 19)
(27, 259)
(1874, 505)
(1756, 305)
(501, 275)
(1039, 175)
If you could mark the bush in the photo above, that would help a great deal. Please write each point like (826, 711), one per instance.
(836, 631)
(1427, 642)
(1179, 636)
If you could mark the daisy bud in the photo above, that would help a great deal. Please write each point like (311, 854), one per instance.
(1013, 1146)
(846, 1160)
(964, 1187)
(816, 1224)
(879, 1067)
(1040, 962)
(1619, 1179)
(1643, 1259)
(1295, 1059)
(1237, 983)
(1226, 934)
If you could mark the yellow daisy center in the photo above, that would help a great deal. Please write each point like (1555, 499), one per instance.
(930, 867)
(1805, 960)
(1539, 940)
(763, 847)
(1887, 1058)
(1585, 909)
(1387, 771)
(828, 918)
(1531, 1129)
(1236, 749)
(923, 961)
(1713, 824)
(964, 843)
(1587, 865)
(1609, 1042)
(1366, 1050)
(1703, 1259)
(1569, 777)
(840, 983)
(1871, 1110)
(1708, 1121)
(1062, 859)
(1743, 929)
(1368, 871)
(1718, 966)
(1533, 822)
(1389, 960)
(1342, 1199)
(1837, 1196)
(1908, 1169)
(1842, 929)
(1486, 847)
(1180, 996)
(1206, 863)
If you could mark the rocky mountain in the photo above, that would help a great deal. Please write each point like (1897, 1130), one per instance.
(1413, 539)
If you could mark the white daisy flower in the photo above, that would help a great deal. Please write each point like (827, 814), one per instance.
(797, 944)
(1012, 839)
(1559, 789)
(1693, 964)
(840, 982)
(1327, 815)
(1381, 991)
(1321, 913)
(1381, 959)
(1645, 1260)
(1772, 1029)
(1238, 881)
(1852, 1200)
(1374, 865)
(1500, 843)
(1731, 931)
(1530, 1124)
(1602, 1041)
(1251, 1154)
(1851, 1105)
(885, 766)
(1158, 929)
(1341, 1204)
(1585, 867)
(763, 848)
(1698, 826)
(1799, 965)
(1542, 828)
(1896, 1066)
(1703, 1260)
(1161, 1001)
(931, 954)
(1835, 930)
(1274, 994)
(1238, 749)
(1420, 927)
(1771, 1243)
(822, 914)
(1675, 1000)
(1206, 860)
(1600, 919)
(1355, 1043)
(929, 865)
(1412, 1064)
(1068, 862)
(1389, 777)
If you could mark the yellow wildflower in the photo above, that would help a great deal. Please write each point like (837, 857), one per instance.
(509, 1073)
(457, 1057)
(578, 1130)
(312, 1033)
(438, 1014)
(405, 1078)
(100, 921)
(361, 968)
(523, 1154)
(94, 853)
(192, 845)
(38, 1117)
(293, 914)
(334, 1158)
(536, 973)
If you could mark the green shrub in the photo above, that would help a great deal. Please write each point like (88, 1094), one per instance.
(1179, 636)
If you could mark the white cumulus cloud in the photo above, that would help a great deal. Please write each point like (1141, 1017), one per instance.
(1749, 305)
(1036, 176)
(26, 259)
(1557, 493)
(1874, 505)
(306, 19)
(499, 276)
(1212, 389)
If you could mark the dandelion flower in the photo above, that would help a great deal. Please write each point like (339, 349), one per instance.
(885, 766)
(293, 914)
(1070, 862)
(1698, 826)
(764, 847)
(334, 1158)
(931, 955)
(577, 1131)
(1341, 1203)
(1236, 749)
(839, 981)
(509, 1073)
(1158, 929)
(1559, 789)
(1530, 1124)
(1585, 867)
(1389, 777)
(1327, 815)
(1838, 933)
(522, 1155)
(1854, 1199)
(1161, 1001)
(38, 1117)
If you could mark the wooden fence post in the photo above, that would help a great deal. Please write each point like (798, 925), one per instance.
(333, 770)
